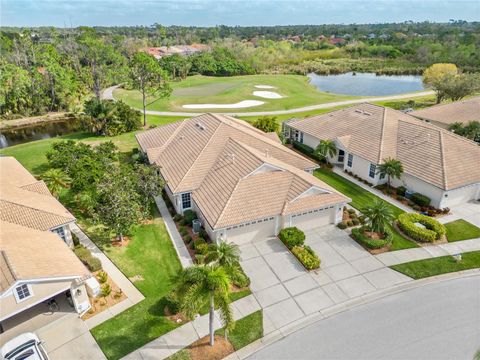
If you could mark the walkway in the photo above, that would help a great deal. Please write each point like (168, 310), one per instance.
(428, 252)
(133, 294)
(374, 191)
(183, 336)
(108, 94)
(178, 244)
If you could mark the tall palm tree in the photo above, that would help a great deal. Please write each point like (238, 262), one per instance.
(225, 254)
(206, 284)
(56, 180)
(391, 168)
(325, 149)
(378, 216)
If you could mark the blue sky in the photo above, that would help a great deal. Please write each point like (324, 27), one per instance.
(231, 12)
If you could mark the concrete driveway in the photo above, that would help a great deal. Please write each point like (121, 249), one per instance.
(287, 292)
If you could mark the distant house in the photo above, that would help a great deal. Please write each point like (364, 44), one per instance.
(336, 41)
(36, 261)
(384, 37)
(371, 36)
(437, 163)
(185, 50)
(444, 115)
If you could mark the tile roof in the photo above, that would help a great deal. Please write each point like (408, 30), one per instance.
(186, 150)
(374, 133)
(459, 111)
(26, 201)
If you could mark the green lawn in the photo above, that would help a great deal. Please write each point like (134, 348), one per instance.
(247, 330)
(198, 89)
(362, 198)
(441, 265)
(461, 230)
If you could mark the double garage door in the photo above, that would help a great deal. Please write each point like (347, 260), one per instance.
(313, 219)
(256, 230)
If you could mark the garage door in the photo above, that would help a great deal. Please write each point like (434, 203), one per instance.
(257, 230)
(312, 219)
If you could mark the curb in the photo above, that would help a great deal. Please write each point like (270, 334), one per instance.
(286, 330)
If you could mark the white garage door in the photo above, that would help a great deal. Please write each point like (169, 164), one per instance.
(257, 230)
(462, 195)
(309, 220)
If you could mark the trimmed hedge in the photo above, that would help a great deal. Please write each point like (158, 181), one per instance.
(291, 237)
(189, 216)
(420, 199)
(305, 149)
(86, 257)
(434, 230)
(401, 190)
(359, 235)
(306, 256)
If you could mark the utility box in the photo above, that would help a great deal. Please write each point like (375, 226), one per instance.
(196, 226)
(93, 287)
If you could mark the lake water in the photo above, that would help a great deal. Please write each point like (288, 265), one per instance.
(36, 132)
(366, 84)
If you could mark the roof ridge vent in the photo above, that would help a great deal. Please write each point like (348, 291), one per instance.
(359, 111)
(200, 126)
(367, 113)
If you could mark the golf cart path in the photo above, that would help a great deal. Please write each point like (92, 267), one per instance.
(108, 95)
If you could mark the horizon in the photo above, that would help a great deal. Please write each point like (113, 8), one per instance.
(210, 13)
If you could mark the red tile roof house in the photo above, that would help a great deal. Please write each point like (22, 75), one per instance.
(437, 163)
(243, 183)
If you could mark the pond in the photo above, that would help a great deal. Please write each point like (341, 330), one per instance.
(366, 84)
(10, 137)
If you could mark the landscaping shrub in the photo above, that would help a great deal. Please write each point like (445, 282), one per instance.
(189, 216)
(203, 233)
(420, 199)
(349, 223)
(172, 302)
(359, 235)
(362, 219)
(401, 190)
(355, 222)
(187, 239)
(433, 231)
(183, 230)
(198, 242)
(351, 211)
(416, 207)
(306, 256)
(242, 281)
(342, 225)
(291, 237)
(201, 248)
(86, 257)
(178, 217)
(305, 149)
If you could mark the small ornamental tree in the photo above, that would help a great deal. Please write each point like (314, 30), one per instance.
(149, 184)
(391, 168)
(325, 149)
(266, 124)
(56, 180)
(378, 216)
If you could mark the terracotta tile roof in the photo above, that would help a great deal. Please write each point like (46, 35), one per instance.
(26, 201)
(186, 150)
(459, 111)
(245, 185)
(427, 152)
(33, 254)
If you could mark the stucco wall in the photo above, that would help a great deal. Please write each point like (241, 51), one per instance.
(416, 185)
(361, 167)
(461, 195)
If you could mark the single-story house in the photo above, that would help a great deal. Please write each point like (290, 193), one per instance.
(36, 262)
(444, 115)
(243, 183)
(437, 163)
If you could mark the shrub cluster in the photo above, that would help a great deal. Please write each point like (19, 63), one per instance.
(304, 149)
(172, 302)
(401, 190)
(433, 229)
(188, 217)
(359, 235)
(86, 257)
(306, 256)
(292, 236)
(420, 199)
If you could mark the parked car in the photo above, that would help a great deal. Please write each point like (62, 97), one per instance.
(24, 347)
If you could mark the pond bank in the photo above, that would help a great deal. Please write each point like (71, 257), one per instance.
(35, 120)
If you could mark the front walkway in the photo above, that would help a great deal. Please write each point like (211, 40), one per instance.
(428, 252)
(468, 211)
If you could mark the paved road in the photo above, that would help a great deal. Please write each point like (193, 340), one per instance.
(108, 94)
(438, 321)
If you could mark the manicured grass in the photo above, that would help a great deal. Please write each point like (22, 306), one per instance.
(441, 265)
(461, 230)
(183, 354)
(361, 198)
(247, 330)
(151, 255)
(198, 89)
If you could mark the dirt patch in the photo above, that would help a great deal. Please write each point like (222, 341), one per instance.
(117, 243)
(136, 278)
(201, 349)
(374, 235)
(176, 318)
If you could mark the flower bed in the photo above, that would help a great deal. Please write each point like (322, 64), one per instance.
(350, 218)
(361, 235)
(433, 229)
(294, 240)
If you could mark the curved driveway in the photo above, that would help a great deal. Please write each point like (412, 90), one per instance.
(437, 321)
(108, 94)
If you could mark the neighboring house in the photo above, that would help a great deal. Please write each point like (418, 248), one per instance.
(336, 41)
(444, 115)
(243, 184)
(437, 163)
(36, 262)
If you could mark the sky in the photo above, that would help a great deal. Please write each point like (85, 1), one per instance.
(62, 13)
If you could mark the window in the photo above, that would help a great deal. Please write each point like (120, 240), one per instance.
(350, 160)
(60, 232)
(22, 292)
(371, 172)
(298, 136)
(186, 201)
(341, 155)
(301, 137)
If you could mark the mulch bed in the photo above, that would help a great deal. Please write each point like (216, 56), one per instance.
(116, 243)
(201, 349)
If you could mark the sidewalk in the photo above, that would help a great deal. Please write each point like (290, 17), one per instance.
(133, 295)
(183, 336)
(428, 252)
(374, 191)
(178, 244)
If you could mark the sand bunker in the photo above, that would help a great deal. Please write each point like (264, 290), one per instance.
(267, 94)
(264, 87)
(239, 105)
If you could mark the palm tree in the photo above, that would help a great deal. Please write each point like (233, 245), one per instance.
(378, 216)
(56, 180)
(225, 254)
(326, 148)
(206, 284)
(391, 168)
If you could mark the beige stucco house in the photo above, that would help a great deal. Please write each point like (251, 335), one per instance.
(243, 184)
(36, 262)
(437, 163)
